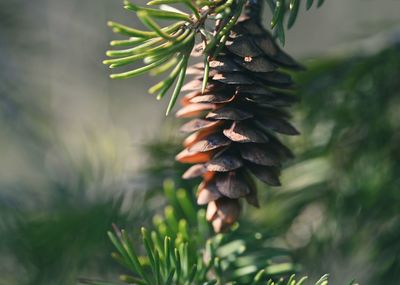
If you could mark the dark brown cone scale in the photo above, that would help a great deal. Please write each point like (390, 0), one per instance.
(234, 122)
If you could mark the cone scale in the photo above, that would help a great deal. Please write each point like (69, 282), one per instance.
(234, 123)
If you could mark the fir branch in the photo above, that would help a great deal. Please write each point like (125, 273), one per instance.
(162, 47)
(180, 250)
(167, 49)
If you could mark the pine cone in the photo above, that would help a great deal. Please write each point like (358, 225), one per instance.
(235, 120)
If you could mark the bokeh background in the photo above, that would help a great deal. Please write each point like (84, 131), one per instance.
(79, 151)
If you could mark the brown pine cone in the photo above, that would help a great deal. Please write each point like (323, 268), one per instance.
(235, 120)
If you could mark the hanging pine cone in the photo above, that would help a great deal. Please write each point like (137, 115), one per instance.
(235, 121)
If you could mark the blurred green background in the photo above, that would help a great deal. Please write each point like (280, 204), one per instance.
(79, 151)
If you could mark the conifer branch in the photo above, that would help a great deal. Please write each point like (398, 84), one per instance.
(180, 250)
(161, 47)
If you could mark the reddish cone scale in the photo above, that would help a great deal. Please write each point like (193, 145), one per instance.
(235, 121)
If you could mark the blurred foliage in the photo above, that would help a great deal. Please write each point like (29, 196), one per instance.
(353, 106)
(49, 231)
